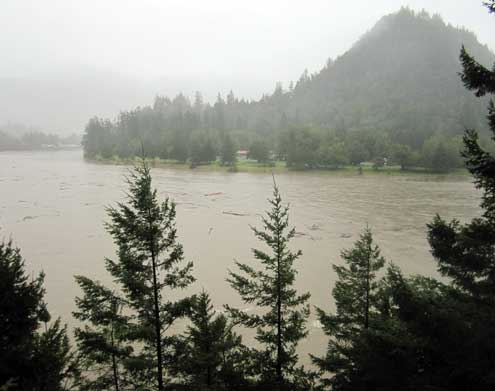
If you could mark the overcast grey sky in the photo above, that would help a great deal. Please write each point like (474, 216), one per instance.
(212, 45)
(151, 38)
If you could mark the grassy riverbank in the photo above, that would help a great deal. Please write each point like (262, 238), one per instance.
(252, 166)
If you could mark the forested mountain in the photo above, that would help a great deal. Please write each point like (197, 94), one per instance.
(401, 77)
(395, 94)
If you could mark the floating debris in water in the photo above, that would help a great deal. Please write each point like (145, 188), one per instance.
(213, 194)
(235, 213)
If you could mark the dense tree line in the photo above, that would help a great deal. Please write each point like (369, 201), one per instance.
(393, 98)
(299, 146)
(388, 331)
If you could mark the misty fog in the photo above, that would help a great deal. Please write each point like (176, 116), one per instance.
(97, 58)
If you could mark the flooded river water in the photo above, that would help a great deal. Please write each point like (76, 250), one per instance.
(52, 205)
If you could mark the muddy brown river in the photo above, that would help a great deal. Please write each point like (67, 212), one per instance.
(52, 205)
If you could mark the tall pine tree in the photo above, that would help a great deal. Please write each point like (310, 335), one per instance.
(270, 286)
(466, 252)
(356, 300)
(150, 263)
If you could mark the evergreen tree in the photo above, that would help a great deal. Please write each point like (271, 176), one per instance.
(210, 356)
(201, 149)
(271, 287)
(228, 151)
(54, 366)
(356, 300)
(29, 359)
(150, 260)
(466, 252)
(102, 343)
(417, 340)
(22, 309)
(259, 151)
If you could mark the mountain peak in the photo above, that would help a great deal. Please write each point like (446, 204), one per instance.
(401, 77)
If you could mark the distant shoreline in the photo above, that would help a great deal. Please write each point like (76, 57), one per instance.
(39, 149)
(250, 166)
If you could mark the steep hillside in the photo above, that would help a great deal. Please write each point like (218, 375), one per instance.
(401, 77)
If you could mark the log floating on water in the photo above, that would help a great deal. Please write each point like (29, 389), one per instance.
(213, 194)
(235, 213)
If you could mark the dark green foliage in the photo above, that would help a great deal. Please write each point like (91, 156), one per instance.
(102, 342)
(29, 359)
(97, 139)
(476, 76)
(480, 163)
(433, 336)
(439, 154)
(22, 309)
(202, 148)
(301, 147)
(333, 155)
(420, 340)
(21, 305)
(465, 252)
(403, 156)
(270, 287)
(357, 303)
(259, 150)
(210, 356)
(150, 262)
(54, 366)
(430, 335)
(461, 351)
(228, 150)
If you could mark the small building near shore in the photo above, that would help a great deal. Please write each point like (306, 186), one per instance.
(242, 154)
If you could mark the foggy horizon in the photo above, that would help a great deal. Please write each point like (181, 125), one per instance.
(152, 48)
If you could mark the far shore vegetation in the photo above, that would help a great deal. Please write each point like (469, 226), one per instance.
(278, 166)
